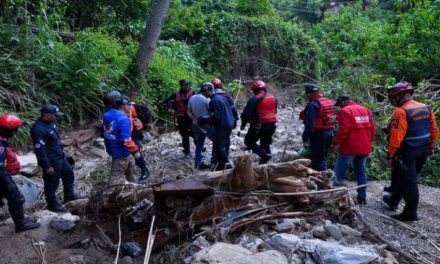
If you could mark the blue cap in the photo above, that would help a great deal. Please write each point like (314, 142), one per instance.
(51, 109)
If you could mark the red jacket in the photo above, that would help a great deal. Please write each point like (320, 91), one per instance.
(356, 130)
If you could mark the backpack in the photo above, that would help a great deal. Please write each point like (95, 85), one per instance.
(143, 113)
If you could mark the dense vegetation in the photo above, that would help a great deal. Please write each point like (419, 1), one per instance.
(73, 52)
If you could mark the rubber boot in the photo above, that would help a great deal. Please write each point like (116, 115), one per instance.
(145, 173)
(21, 223)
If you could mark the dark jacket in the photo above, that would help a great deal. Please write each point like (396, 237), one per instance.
(221, 112)
(47, 143)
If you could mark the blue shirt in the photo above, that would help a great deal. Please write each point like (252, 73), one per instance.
(47, 143)
(199, 105)
(116, 129)
(311, 112)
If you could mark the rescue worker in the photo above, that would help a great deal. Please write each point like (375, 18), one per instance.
(218, 89)
(177, 104)
(222, 120)
(261, 112)
(198, 106)
(319, 121)
(353, 142)
(9, 164)
(116, 131)
(136, 135)
(51, 158)
(413, 136)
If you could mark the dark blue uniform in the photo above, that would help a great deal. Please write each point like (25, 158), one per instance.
(49, 151)
(320, 139)
(8, 188)
(223, 122)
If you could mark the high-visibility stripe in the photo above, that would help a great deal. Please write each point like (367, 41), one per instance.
(419, 137)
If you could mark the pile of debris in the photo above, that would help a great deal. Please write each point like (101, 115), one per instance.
(274, 213)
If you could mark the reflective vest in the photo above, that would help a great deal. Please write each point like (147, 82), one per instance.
(136, 123)
(267, 108)
(8, 158)
(182, 102)
(326, 117)
(418, 133)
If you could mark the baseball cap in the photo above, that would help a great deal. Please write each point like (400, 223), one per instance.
(51, 109)
(123, 100)
(206, 86)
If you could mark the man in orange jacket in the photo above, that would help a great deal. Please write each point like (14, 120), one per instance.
(413, 136)
(353, 142)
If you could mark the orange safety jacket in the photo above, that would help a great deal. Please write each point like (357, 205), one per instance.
(412, 125)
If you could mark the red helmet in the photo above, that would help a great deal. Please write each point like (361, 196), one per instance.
(217, 83)
(258, 85)
(10, 121)
(399, 88)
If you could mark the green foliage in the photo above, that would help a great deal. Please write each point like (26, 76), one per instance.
(172, 61)
(254, 7)
(255, 46)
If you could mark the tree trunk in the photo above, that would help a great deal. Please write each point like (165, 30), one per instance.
(147, 45)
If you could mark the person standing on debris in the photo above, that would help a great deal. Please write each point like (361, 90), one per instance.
(261, 112)
(198, 106)
(413, 136)
(51, 158)
(137, 124)
(177, 104)
(319, 121)
(353, 142)
(9, 164)
(116, 131)
(222, 120)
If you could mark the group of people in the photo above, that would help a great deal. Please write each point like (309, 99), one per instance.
(211, 113)
(412, 137)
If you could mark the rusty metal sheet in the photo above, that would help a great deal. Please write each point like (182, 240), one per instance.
(181, 188)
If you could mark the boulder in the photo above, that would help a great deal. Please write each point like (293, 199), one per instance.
(287, 224)
(30, 189)
(286, 243)
(28, 164)
(222, 253)
(319, 232)
(333, 231)
(348, 231)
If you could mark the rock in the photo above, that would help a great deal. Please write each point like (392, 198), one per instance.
(126, 260)
(45, 217)
(99, 143)
(98, 152)
(233, 147)
(77, 259)
(319, 232)
(222, 253)
(28, 164)
(333, 231)
(348, 231)
(147, 136)
(30, 189)
(132, 248)
(287, 224)
(286, 243)
(334, 253)
(296, 259)
(62, 225)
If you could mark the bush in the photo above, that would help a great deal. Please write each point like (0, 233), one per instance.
(172, 61)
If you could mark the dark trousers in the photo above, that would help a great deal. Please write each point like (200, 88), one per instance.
(9, 190)
(408, 164)
(184, 124)
(262, 132)
(222, 140)
(63, 171)
(140, 162)
(320, 143)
